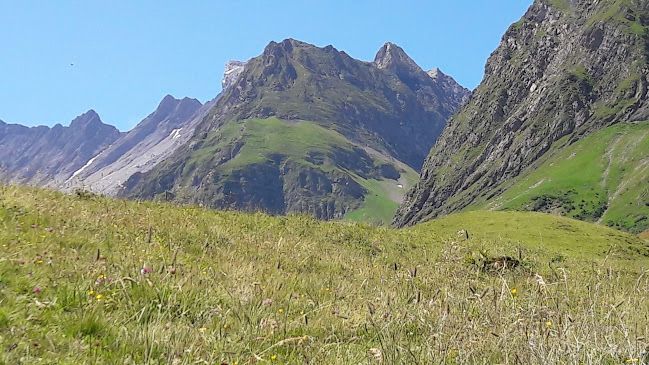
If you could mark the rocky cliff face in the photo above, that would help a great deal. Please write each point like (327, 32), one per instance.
(43, 155)
(450, 86)
(233, 70)
(256, 148)
(564, 71)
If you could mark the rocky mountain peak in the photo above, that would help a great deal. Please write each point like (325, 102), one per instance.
(391, 56)
(449, 85)
(88, 118)
(233, 70)
(170, 106)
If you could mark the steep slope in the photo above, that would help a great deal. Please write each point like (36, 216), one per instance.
(153, 140)
(312, 130)
(610, 186)
(567, 69)
(49, 156)
(139, 149)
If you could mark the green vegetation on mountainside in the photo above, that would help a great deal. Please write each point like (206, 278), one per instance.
(299, 164)
(602, 178)
(85, 279)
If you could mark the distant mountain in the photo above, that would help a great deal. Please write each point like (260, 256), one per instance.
(153, 140)
(150, 142)
(49, 156)
(311, 130)
(559, 123)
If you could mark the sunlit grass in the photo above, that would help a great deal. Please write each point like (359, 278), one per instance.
(133, 283)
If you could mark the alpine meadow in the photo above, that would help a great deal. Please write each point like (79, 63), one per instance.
(321, 208)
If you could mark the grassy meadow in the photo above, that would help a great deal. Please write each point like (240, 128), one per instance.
(89, 280)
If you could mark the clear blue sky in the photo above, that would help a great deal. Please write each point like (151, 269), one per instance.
(128, 55)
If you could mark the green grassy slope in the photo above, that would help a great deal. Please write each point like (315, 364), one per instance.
(602, 178)
(305, 154)
(91, 280)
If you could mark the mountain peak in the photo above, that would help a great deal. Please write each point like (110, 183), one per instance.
(391, 56)
(435, 73)
(85, 119)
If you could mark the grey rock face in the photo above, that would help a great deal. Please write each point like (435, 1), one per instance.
(43, 155)
(153, 140)
(450, 86)
(559, 74)
(233, 70)
(150, 142)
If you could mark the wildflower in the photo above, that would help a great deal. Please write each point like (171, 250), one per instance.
(50, 229)
(513, 291)
(548, 323)
(99, 296)
(92, 292)
(225, 326)
(146, 270)
(34, 225)
(36, 289)
(202, 329)
(273, 357)
(39, 261)
(632, 360)
(281, 310)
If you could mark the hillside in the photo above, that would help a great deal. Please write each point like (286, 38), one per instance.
(565, 71)
(311, 130)
(85, 279)
(610, 188)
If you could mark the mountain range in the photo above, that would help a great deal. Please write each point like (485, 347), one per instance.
(298, 129)
(559, 124)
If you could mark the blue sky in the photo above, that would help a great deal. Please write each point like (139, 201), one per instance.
(128, 55)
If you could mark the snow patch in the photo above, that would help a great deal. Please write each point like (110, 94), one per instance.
(85, 166)
(175, 133)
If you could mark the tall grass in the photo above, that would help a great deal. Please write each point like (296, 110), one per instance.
(92, 280)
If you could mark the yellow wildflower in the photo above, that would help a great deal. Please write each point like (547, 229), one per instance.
(202, 329)
(99, 296)
(548, 323)
(281, 310)
(92, 292)
(273, 357)
(513, 291)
